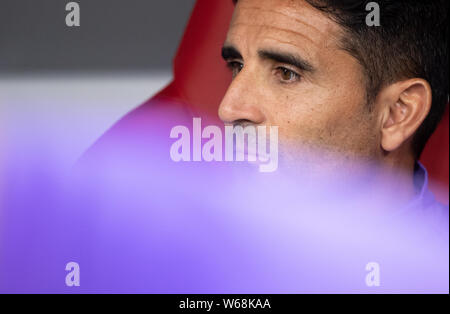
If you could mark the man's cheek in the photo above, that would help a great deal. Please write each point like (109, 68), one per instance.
(299, 133)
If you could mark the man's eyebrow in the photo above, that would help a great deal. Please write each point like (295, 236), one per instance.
(230, 52)
(287, 58)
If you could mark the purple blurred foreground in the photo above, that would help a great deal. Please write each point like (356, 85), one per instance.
(137, 222)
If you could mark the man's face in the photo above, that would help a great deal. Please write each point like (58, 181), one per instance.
(289, 71)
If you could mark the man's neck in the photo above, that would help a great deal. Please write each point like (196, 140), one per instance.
(396, 179)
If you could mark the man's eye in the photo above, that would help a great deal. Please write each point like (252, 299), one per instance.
(235, 67)
(287, 75)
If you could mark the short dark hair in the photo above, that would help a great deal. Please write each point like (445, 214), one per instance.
(412, 41)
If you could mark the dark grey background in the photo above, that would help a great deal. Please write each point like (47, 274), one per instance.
(130, 35)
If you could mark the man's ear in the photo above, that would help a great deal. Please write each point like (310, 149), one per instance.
(406, 104)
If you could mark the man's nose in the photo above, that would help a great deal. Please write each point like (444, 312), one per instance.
(241, 103)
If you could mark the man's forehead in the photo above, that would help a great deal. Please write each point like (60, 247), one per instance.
(295, 21)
